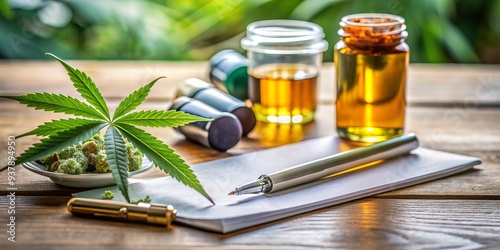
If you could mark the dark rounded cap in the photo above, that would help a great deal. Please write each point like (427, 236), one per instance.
(224, 132)
(246, 117)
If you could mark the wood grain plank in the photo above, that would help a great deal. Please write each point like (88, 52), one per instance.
(455, 85)
(472, 85)
(469, 131)
(443, 128)
(115, 79)
(483, 182)
(453, 108)
(43, 222)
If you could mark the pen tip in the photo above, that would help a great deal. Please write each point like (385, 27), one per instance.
(231, 193)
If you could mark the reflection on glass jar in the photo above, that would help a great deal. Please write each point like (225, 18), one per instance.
(274, 134)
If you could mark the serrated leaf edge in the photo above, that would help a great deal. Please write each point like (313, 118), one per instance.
(84, 109)
(56, 126)
(159, 118)
(86, 87)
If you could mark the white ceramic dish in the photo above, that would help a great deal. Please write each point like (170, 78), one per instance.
(83, 180)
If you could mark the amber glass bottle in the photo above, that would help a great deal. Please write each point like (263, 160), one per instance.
(371, 61)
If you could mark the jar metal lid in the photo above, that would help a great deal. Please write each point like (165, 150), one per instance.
(284, 37)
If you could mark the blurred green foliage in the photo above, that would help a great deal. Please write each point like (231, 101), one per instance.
(464, 31)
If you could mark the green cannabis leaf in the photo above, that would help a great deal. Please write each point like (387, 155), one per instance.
(94, 115)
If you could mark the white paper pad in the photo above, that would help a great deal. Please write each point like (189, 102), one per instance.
(232, 213)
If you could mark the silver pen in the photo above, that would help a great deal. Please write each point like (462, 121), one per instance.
(329, 165)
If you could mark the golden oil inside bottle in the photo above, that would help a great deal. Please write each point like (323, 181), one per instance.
(284, 93)
(371, 61)
(370, 105)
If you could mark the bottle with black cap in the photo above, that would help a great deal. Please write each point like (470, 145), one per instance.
(228, 70)
(208, 94)
(222, 133)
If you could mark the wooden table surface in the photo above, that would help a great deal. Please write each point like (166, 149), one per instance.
(454, 108)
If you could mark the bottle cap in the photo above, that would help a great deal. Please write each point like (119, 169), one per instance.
(228, 68)
(221, 134)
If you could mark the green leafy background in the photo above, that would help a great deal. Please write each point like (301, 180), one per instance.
(441, 31)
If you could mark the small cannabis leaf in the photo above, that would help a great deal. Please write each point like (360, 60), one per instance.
(117, 159)
(94, 115)
(56, 126)
(58, 104)
(157, 118)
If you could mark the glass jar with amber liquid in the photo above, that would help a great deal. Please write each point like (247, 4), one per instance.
(284, 61)
(371, 62)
